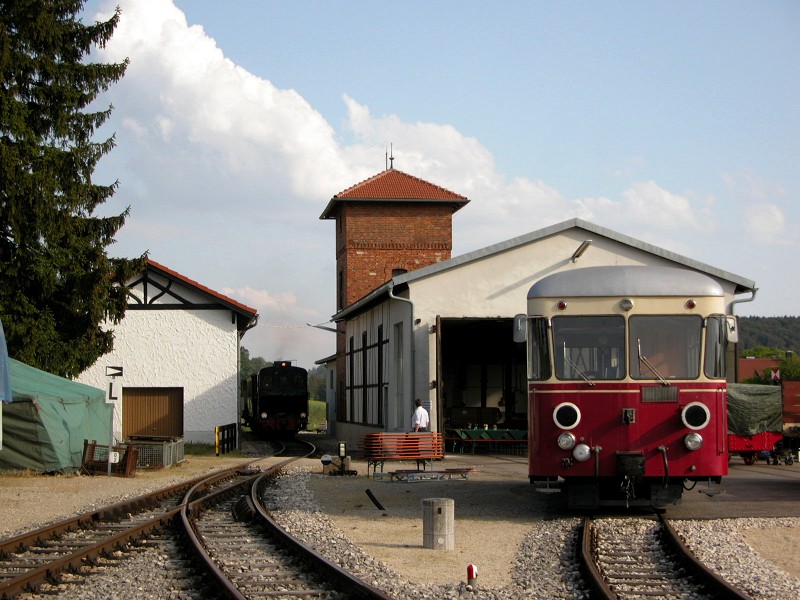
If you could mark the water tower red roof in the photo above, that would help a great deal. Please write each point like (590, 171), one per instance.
(393, 185)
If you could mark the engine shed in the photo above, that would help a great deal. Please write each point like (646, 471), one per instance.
(440, 329)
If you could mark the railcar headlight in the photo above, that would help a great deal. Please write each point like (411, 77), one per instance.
(566, 415)
(582, 453)
(693, 441)
(302, 415)
(695, 415)
(566, 441)
(263, 415)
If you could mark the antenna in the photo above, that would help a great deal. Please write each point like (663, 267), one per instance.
(391, 156)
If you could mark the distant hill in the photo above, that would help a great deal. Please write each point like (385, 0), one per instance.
(782, 333)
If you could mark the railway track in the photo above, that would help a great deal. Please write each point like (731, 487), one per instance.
(220, 519)
(625, 558)
(272, 563)
(46, 555)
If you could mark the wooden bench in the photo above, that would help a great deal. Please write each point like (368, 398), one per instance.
(378, 448)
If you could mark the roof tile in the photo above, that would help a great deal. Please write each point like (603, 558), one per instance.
(394, 184)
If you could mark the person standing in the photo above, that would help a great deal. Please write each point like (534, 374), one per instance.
(420, 419)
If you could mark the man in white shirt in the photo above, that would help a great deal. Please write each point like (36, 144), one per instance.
(419, 420)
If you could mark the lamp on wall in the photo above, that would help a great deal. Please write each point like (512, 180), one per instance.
(581, 249)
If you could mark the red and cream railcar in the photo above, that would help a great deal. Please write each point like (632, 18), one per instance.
(627, 383)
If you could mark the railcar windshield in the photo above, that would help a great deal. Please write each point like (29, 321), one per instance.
(589, 347)
(715, 365)
(538, 350)
(665, 346)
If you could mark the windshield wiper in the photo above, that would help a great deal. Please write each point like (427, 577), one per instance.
(576, 367)
(648, 364)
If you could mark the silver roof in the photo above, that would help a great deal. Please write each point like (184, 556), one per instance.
(625, 280)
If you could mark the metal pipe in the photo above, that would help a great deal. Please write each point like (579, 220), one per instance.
(752, 297)
(412, 341)
(596, 451)
(663, 450)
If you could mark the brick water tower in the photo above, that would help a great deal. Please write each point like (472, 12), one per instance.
(387, 225)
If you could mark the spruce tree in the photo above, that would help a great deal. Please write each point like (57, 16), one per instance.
(57, 284)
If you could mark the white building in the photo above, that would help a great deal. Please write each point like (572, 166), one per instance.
(174, 370)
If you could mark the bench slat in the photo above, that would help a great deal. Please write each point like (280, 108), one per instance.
(377, 448)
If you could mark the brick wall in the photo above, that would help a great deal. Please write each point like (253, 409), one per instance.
(375, 238)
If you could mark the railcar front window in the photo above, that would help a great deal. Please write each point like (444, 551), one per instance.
(665, 346)
(589, 347)
(715, 366)
(538, 352)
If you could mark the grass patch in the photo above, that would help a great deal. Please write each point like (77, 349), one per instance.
(317, 413)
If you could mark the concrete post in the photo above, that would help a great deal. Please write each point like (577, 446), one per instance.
(438, 523)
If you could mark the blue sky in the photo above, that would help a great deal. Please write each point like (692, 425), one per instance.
(677, 124)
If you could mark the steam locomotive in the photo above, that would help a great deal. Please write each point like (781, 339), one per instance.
(276, 400)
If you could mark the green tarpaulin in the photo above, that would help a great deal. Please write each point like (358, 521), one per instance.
(754, 409)
(45, 425)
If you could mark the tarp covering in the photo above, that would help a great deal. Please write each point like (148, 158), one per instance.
(754, 409)
(45, 425)
(5, 375)
(5, 378)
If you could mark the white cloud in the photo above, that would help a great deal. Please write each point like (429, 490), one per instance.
(766, 225)
(763, 220)
(188, 94)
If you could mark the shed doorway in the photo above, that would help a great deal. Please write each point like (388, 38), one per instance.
(481, 374)
(152, 413)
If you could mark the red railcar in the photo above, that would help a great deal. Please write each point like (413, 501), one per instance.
(627, 383)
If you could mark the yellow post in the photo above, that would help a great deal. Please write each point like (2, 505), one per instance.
(216, 440)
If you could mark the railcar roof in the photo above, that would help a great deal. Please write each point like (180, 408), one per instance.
(626, 280)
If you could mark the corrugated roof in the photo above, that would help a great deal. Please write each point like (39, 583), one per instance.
(394, 185)
(742, 285)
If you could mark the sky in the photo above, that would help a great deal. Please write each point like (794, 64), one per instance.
(677, 124)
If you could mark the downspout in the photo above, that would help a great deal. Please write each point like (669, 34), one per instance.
(752, 297)
(413, 343)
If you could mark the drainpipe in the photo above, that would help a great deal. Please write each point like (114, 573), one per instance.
(413, 344)
(752, 297)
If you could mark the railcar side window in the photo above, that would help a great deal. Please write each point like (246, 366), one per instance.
(715, 366)
(538, 350)
(665, 346)
(590, 347)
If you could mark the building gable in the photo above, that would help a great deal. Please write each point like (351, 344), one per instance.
(160, 288)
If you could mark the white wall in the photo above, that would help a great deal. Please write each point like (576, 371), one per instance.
(196, 350)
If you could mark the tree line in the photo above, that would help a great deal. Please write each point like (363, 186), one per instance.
(781, 333)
